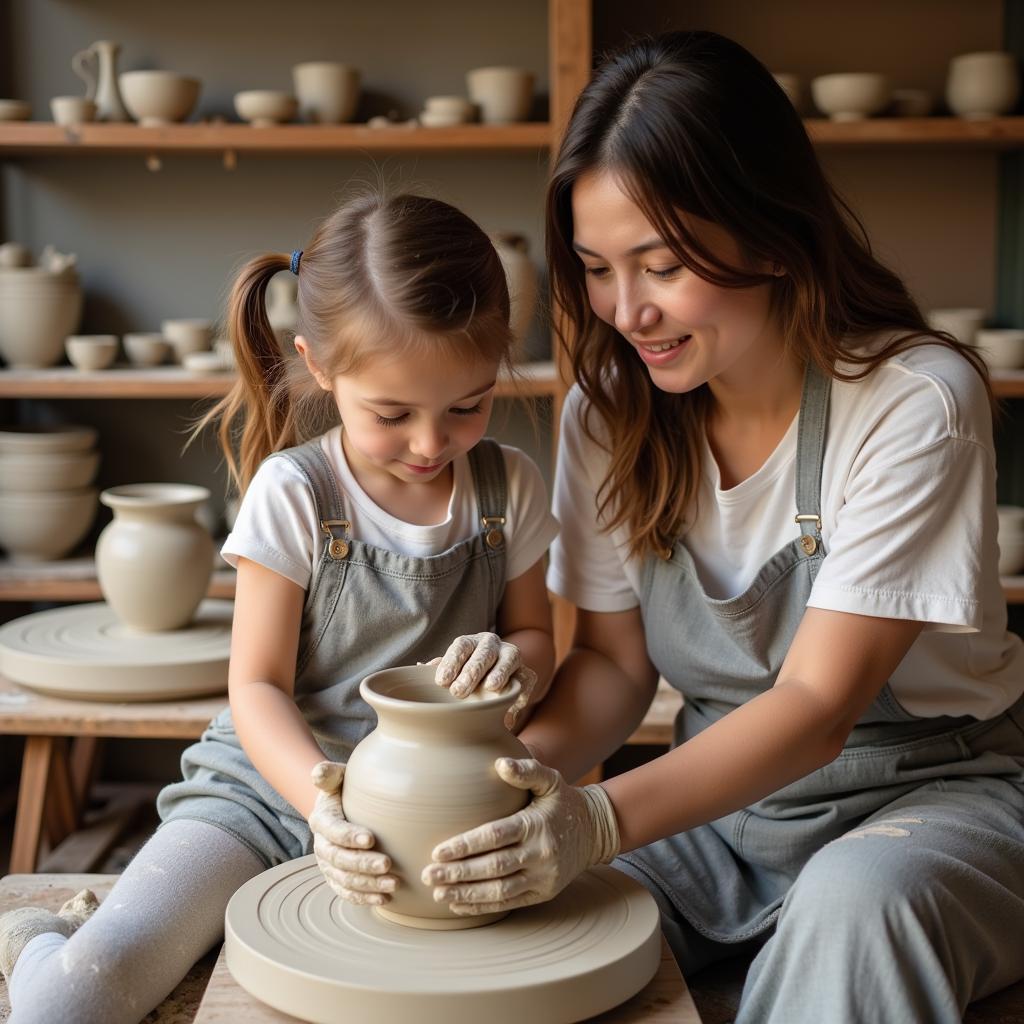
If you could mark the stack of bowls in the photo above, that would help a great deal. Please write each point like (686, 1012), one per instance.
(192, 334)
(1011, 539)
(444, 111)
(47, 503)
(39, 308)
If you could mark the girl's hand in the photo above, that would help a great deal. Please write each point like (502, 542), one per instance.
(343, 850)
(530, 856)
(484, 659)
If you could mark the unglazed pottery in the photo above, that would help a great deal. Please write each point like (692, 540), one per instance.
(97, 67)
(156, 98)
(15, 110)
(154, 560)
(58, 471)
(207, 362)
(72, 110)
(14, 255)
(283, 307)
(432, 119)
(189, 335)
(425, 774)
(851, 96)
(91, 351)
(265, 107)
(45, 440)
(290, 942)
(43, 525)
(983, 85)
(1001, 347)
(38, 310)
(147, 348)
(454, 106)
(328, 92)
(513, 250)
(962, 322)
(503, 94)
(83, 652)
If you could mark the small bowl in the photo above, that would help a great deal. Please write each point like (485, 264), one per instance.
(207, 362)
(15, 110)
(36, 527)
(189, 335)
(1011, 521)
(57, 471)
(45, 440)
(434, 119)
(1001, 348)
(72, 110)
(454, 106)
(91, 351)
(265, 107)
(851, 96)
(146, 349)
(158, 97)
(1011, 555)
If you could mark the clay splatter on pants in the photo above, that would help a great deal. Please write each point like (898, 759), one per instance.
(889, 827)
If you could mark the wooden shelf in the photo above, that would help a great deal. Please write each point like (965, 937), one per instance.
(995, 133)
(30, 138)
(1008, 383)
(532, 380)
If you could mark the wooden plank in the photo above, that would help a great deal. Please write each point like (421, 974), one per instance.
(61, 811)
(74, 579)
(35, 772)
(1008, 383)
(570, 59)
(995, 133)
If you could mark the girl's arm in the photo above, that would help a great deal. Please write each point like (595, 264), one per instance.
(524, 619)
(261, 683)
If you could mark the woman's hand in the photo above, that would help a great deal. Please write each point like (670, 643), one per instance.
(484, 659)
(343, 850)
(530, 856)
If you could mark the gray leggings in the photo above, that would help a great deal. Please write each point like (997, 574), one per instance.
(162, 915)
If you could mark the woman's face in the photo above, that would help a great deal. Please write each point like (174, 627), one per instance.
(686, 330)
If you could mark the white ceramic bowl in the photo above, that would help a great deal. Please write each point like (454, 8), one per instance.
(962, 322)
(91, 351)
(15, 110)
(147, 348)
(435, 119)
(72, 110)
(45, 440)
(454, 106)
(158, 97)
(263, 107)
(504, 95)
(851, 96)
(207, 362)
(56, 471)
(1002, 348)
(34, 323)
(1011, 521)
(328, 92)
(48, 524)
(188, 335)
(983, 85)
(1011, 555)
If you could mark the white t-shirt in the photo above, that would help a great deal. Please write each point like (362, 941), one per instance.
(278, 526)
(908, 505)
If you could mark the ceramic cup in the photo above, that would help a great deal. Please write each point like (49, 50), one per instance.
(71, 110)
(1002, 348)
(983, 85)
(504, 95)
(851, 96)
(188, 335)
(264, 107)
(328, 92)
(15, 110)
(147, 348)
(962, 323)
(91, 351)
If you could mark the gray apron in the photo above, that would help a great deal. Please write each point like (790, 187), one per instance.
(367, 608)
(727, 880)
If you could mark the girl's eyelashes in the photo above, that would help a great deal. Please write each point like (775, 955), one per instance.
(595, 271)
(664, 275)
(393, 421)
(472, 411)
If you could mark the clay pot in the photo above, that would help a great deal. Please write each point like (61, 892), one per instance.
(192, 334)
(157, 98)
(148, 348)
(513, 250)
(265, 107)
(328, 93)
(851, 96)
(37, 526)
(983, 85)
(154, 560)
(504, 95)
(38, 310)
(47, 472)
(91, 351)
(425, 774)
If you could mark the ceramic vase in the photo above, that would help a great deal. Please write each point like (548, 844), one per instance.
(513, 250)
(283, 308)
(425, 774)
(97, 67)
(154, 560)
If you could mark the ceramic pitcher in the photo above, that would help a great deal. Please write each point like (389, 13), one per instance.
(425, 774)
(154, 560)
(97, 67)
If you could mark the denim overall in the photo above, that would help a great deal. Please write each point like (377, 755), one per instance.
(367, 608)
(887, 885)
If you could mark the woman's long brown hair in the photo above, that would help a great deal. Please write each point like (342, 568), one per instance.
(383, 274)
(690, 123)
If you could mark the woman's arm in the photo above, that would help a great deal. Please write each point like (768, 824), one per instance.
(261, 683)
(835, 668)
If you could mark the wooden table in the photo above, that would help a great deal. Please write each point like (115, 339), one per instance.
(666, 999)
(56, 773)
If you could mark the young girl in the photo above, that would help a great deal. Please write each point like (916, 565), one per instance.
(781, 487)
(371, 545)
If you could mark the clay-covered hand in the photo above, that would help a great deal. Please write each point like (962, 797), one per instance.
(530, 856)
(484, 659)
(344, 853)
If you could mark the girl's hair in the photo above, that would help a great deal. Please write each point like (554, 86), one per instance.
(382, 275)
(690, 123)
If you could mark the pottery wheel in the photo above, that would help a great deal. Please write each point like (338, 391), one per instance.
(85, 653)
(293, 944)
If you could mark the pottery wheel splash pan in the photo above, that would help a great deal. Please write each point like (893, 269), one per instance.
(293, 944)
(85, 653)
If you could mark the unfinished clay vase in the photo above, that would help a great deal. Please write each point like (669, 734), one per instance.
(425, 774)
(154, 560)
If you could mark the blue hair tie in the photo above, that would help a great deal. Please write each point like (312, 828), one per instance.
(296, 256)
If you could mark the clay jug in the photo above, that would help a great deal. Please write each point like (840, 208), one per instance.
(425, 774)
(97, 67)
(513, 251)
(154, 560)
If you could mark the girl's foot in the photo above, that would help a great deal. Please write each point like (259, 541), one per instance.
(18, 927)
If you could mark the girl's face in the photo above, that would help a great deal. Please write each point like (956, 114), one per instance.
(407, 417)
(686, 330)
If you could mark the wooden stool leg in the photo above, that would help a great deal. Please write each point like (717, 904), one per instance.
(61, 814)
(85, 751)
(35, 771)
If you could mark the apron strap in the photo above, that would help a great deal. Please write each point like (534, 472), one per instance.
(487, 464)
(810, 453)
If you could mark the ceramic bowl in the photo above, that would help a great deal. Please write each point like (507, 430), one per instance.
(146, 349)
(15, 110)
(44, 525)
(158, 97)
(45, 440)
(962, 322)
(983, 85)
(1002, 348)
(188, 335)
(1011, 555)
(1011, 521)
(207, 362)
(504, 95)
(851, 96)
(264, 107)
(435, 119)
(56, 471)
(911, 103)
(72, 110)
(453, 106)
(34, 322)
(328, 92)
(91, 351)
